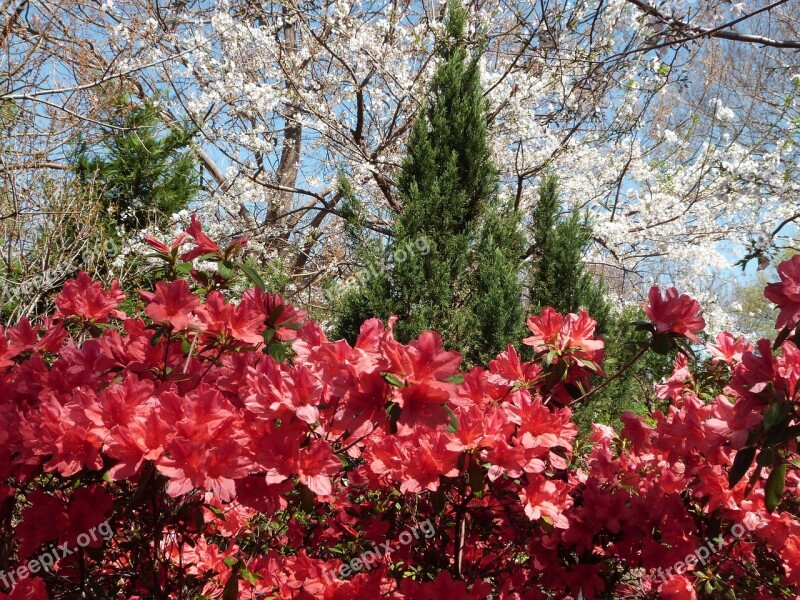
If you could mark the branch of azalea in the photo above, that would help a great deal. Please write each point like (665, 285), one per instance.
(156, 546)
(212, 363)
(166, 357)
(461, 521)
(189, 355)
(333, 416)
(363, 437)
(614, 377)
(5, 519)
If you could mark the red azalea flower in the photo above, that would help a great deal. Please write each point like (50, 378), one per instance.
(422, 406)
(674, 313)
(29, 589)
(90, 506)
(678, 587)
(786, 293)
(728, 348)
(203, 243)
(81, 297)
(316, 465)
(172, 303)
(576, 332)
(42, 522)
(275, 312)
(545, 328)
(162, 247)
(241, 322)
(546, 498)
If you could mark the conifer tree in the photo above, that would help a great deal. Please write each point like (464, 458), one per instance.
(558, 277)
(466, 286)
(141, 174)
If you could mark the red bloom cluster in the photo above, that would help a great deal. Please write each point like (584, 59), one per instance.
(237, 452)
(674, 313)
(786, 293)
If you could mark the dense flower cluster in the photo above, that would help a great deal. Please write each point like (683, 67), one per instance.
(239, 453)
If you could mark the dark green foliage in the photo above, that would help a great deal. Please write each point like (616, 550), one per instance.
(558, 277)
(141, 173)
(495, 286)
(634, 391)
(465, 286)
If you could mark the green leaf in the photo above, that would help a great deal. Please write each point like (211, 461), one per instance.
(456, 379)
(144, 483)
(662, 343)
(217, 512)
(766, 457)
(276, 313)
(453, 427)
(744, 458)
(225, 269)
(268, 334)
(154, 341)
(249, 577)
(210, 256)
(277, 351)
(393, 380)
(253, 276)
(476, 474)
(773, 492)
(306, 498)
(782, 433)
(393, 414)
(199, 521)
(438, 500)
(782, 337)
(776, 413)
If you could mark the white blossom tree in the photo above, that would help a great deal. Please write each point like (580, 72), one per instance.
(673, 123)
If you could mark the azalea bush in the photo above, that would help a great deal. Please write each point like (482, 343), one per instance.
(236, 452)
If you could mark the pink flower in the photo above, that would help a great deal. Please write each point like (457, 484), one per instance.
(674, 313)
(316, 465)
(84, 298)
(786, 293)
(546, 498)
(162, 247)
(576, 332)
(172, 302)
(203, 243)
(729, 349)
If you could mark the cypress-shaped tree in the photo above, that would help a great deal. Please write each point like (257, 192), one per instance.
(558, 277)
(466, 285)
